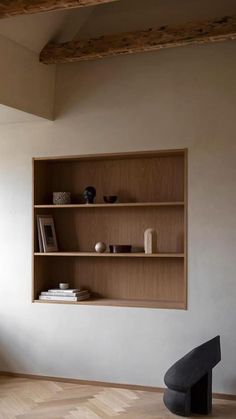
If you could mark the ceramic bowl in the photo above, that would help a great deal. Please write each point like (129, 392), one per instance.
(120, 248)
(63, 285)
(110, 199)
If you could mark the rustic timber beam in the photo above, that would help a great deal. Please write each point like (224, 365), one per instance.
(10, 8)
(140, 41)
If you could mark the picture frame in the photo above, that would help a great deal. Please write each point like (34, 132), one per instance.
(48, 234)
(40, 242)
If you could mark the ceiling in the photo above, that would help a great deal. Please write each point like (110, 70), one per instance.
(34, 31)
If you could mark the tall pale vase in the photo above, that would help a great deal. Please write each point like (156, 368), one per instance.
(150, 241)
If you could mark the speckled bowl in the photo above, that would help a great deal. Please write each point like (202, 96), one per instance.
(61, 198)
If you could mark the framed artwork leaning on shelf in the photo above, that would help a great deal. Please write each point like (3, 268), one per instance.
(40, 242)
(48, 234)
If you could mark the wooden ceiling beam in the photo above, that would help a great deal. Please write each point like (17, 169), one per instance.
(25, 7)
(140, 41)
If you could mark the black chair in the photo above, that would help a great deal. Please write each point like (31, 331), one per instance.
(189, 380)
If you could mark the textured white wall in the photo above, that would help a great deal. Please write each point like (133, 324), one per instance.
(25, 84)
(172, 99)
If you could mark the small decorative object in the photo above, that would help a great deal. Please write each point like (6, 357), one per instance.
(61, 198)
(100, 247)
(120, 248)
(64, 286)
(89, 194)
(110, 199)
(150, 241)
(48, 234)
(65, 294)
(40, 241)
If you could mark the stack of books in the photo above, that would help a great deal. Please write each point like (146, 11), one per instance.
(65, 295)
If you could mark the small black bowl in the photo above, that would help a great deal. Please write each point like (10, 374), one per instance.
(110, 199)
(120, 248)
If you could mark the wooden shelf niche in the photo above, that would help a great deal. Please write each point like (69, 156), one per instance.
(151, 187)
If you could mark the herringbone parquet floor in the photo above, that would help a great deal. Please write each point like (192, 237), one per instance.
(22, 398)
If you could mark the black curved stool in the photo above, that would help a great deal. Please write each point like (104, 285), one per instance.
(189, 380)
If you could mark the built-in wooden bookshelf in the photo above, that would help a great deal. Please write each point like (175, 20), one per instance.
(152, 191)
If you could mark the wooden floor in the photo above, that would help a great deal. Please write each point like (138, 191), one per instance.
(23, 398)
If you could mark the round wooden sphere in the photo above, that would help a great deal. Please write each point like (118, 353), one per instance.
(100, 247)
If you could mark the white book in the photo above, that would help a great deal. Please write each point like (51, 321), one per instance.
(68, 291)
(60, 294)
(63, 298)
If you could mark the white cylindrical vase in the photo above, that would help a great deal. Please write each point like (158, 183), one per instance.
(150, 241)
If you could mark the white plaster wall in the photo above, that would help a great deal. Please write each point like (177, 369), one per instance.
(171, 99)
(25, 84)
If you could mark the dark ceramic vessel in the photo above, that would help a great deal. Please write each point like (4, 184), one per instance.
(110, 199)
(120, 248)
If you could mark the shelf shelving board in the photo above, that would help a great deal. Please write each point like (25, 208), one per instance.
(180, 305)
(112, 255)
(118, 205)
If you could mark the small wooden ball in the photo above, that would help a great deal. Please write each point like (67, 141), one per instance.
(100, 247)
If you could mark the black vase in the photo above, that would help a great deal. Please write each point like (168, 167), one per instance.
(89, 194)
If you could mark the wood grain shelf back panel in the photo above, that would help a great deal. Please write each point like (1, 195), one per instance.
(137, 280)
(82, 230)
(115, 278)
(147, 179)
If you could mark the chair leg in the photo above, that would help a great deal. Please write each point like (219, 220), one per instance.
(201, 395)
(177, 402)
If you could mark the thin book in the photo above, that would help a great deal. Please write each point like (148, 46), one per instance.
(60, 293)
(67, 291)
(63, 298)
